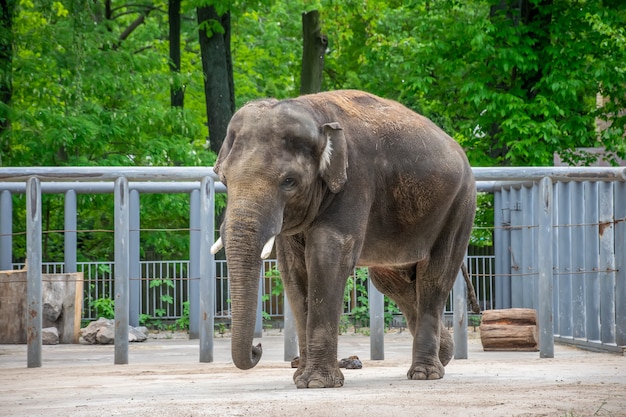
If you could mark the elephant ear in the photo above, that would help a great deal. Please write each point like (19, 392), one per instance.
(224, 151)
(334, 159)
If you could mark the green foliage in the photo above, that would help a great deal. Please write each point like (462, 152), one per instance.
(183, 322)
(105, 307)
(86, 94)
(482, 234)
(89, 90)
(360, 312)
(512, 93)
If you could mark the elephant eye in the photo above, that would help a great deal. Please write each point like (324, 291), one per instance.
(288, 183)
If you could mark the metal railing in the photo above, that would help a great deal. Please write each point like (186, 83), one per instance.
(165, 287)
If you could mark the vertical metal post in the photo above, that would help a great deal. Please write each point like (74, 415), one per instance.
(459, 325)
(70, 231)
(33, 274)
(258, 324)
(516, 248)
(555, 256)
(291, 349)
(526, 254)
(502, 239)
(207, 270)
(377, 323)
(578, 260)
(607, 262)
(544, 256)
(592, 250)
(620, 263)
(134, 258)
(194, 264)
(122, 269)
(6, 230)
(564, 260)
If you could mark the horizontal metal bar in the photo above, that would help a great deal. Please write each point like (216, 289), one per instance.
(555, 173)
(107, 173)
(106, 187)
(90, 174)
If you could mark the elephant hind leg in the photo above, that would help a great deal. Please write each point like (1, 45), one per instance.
(400, 286)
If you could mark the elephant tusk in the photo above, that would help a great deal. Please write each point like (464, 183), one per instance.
(217, 246)
(267, 249)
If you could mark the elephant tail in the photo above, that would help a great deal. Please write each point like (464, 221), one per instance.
(471, 294)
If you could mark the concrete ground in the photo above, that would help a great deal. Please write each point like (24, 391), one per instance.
(165, 378)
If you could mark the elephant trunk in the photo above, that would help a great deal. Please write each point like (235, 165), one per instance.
(244, 286)
(244, 239)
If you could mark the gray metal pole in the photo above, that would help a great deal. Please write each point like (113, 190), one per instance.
(526, 254)
(607, 262)
(6, 231)
(134, 258)
(620, 263)
(70, 231)
(516, 248)
(578, 261)
(207, 270)
(544, 256)
(459, 317)
(564, 258)
(377, 323)
(33, 274)
(291, 349)
(194, 264)
(592, 251)
(122, 269)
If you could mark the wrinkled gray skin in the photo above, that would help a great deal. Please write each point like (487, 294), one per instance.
(344, 178)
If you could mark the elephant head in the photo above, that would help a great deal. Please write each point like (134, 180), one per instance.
(279, 161)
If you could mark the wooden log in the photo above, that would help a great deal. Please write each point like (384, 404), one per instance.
(508, 337)
(516, 316)
(509, 329)
(62, 296)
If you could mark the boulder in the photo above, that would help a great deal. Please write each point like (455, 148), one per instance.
(102, 332)
(50, 336)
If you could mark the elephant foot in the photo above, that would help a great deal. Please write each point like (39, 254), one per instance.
(327, 378)
(419, 372)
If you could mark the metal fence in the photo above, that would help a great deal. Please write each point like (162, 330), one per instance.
(165, 287)
(588, 263)
(540, 278)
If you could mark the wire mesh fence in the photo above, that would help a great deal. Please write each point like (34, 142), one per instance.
(165, 287)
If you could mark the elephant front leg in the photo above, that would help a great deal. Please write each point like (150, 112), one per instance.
(329, 264)
(426, 363)
(321, 368)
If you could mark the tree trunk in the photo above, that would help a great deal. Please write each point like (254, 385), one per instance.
(218, 76)
(313, 49)
(177, 95)
(7, 10)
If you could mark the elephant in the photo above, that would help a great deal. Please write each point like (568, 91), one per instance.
(337, 180)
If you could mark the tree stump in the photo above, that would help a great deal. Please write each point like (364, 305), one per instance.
(62, 301)
(509, 329)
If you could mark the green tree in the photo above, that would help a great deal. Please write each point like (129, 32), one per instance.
(513, 86)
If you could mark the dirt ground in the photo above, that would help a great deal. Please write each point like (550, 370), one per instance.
(165, 378)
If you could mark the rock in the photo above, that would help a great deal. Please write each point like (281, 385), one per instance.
(88, 334)
(102, 331)
(295, 362)
(353, 362)
(106, 335)
(50, 336)
(136, 335)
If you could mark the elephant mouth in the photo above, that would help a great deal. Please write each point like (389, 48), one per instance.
(265, 252)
